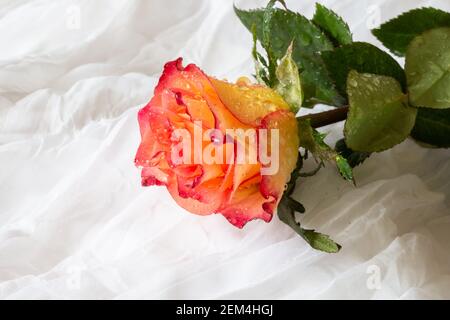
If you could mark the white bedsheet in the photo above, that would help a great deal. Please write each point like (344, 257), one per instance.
(75, 222)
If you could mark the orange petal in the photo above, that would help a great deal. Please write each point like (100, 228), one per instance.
(247, 205)
(209, 199)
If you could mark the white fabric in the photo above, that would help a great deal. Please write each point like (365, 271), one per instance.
(75, 222)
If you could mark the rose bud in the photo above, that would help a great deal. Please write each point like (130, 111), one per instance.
(217, 147)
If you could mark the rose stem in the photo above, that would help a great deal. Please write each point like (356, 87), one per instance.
(325, 118)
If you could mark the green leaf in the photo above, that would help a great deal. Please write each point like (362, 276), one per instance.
(308, 40)
(344, 168)
(354, 158)
(289, 85)
(379, 116)
(288, 27)
(265, 69)
(428, 69)
(260, 63)
(332, 25)
(316, 240)
(364, 58)
(313, 141)
(397, 33)
(320, 241)
(433, 127)
(267, 23)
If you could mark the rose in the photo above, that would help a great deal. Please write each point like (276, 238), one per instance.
(186, 100)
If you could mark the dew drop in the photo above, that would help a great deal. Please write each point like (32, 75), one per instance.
(353, 83)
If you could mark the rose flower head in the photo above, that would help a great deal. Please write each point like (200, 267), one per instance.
(218, 147)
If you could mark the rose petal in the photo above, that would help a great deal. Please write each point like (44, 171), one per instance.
(249, 103)
(284, 121)
(247, 204)
(207, 206)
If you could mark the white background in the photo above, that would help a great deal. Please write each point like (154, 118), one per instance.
(75, 222)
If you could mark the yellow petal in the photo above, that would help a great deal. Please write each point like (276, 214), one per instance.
(248, 103)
